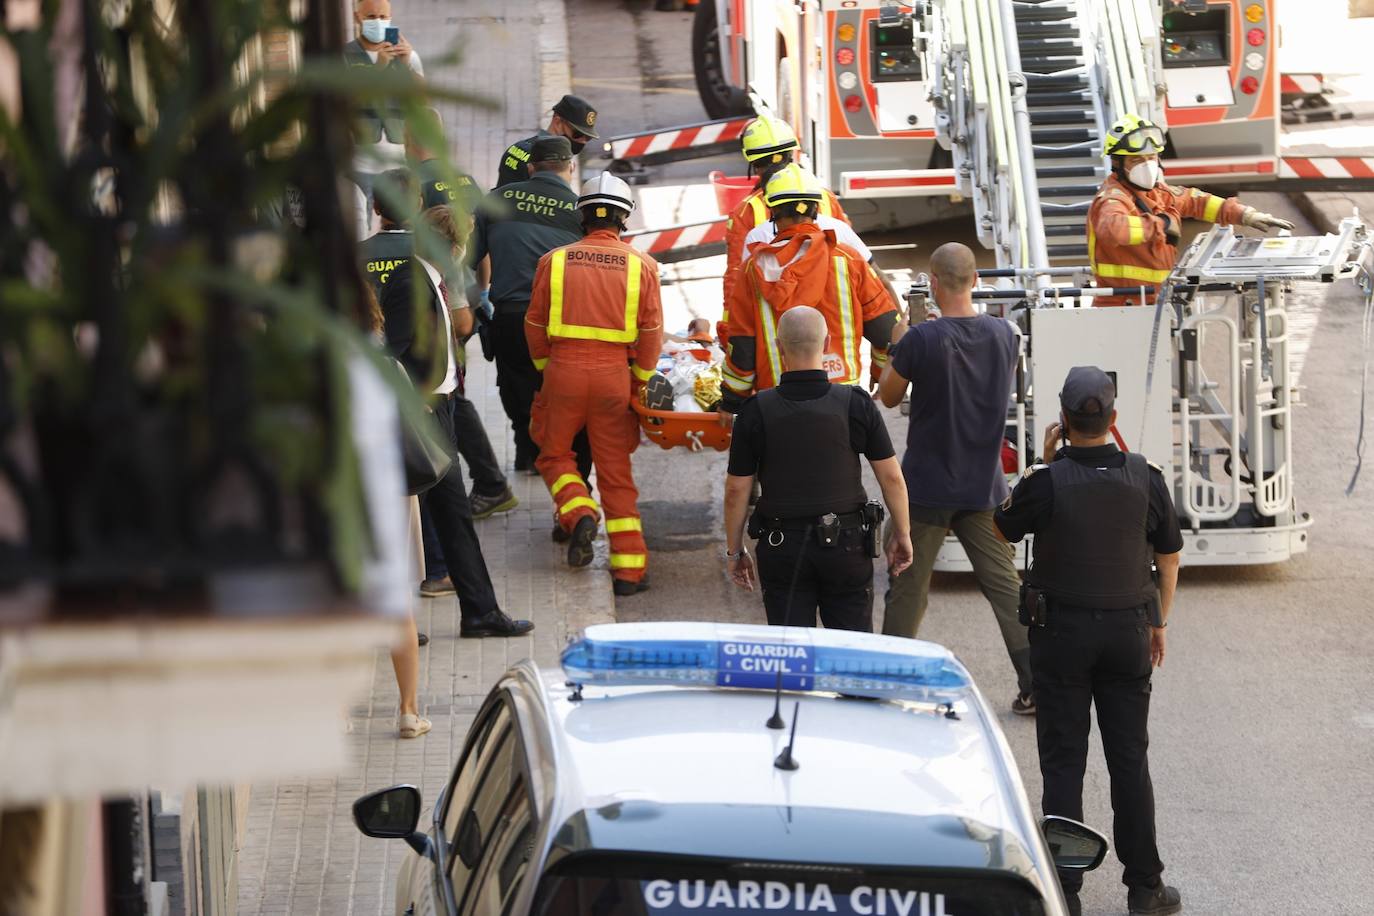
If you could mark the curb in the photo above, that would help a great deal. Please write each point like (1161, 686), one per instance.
(584, 596)
(1326, 209)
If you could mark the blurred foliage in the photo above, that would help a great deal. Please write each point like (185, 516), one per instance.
(177, 248)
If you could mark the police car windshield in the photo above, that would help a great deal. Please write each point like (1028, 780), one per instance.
(623, 885)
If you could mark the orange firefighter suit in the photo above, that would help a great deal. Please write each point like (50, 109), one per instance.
(752, 212)
(1127, 238)
(804, 265)
(594, 328)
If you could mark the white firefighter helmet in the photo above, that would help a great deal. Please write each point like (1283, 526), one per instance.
(605, 191)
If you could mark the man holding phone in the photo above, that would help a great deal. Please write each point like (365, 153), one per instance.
(380, 135)
(959, 367)
(1097, 620)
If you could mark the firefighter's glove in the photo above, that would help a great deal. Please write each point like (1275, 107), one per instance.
(1263, 221)
(1172, 232)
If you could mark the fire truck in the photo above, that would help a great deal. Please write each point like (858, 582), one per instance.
(877, 91)
(934, 107)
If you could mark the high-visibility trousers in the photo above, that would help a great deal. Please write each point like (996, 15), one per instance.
(588, 384)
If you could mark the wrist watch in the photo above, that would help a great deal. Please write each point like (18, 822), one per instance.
(735, 555)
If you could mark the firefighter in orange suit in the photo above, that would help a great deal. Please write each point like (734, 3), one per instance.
(769, 144)
(802, 265)
(1135, 221)
(594, 328)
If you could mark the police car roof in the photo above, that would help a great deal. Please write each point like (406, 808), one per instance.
(688, 770)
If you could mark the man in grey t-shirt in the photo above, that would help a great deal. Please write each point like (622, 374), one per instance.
(959, 367)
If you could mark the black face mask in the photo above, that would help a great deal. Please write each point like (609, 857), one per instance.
(577, 144)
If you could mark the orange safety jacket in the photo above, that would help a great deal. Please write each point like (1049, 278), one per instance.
(1126, 240)
(750, 213)
(597, 289)
(804, 265)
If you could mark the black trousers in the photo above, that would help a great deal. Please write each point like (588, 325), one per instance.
(516, 376)
(449, 510)
(1087, 657)
(470, 436)
(518, 380)
(800, 577)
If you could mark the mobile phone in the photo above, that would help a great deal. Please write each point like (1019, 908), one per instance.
(393, 35)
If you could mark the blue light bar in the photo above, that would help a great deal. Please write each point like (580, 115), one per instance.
(752, 657)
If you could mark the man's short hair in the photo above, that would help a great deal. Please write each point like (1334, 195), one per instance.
(802, 330)
(954, 265)
(1090, 422)
(395, 196)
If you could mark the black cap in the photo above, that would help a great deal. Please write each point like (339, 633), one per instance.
(1088, 391)
(551, 149)
(578, 113)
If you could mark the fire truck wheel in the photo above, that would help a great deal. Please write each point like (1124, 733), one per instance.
(719, 98)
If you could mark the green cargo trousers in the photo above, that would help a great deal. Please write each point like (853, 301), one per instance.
(994, 567)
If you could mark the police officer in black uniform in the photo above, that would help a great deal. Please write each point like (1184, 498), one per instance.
(817, 532)
(1101, 517)
(572, 117)
(520, 224)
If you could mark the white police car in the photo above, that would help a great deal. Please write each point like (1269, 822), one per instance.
(663, 771)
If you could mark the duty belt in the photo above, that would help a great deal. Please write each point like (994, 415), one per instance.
(845, 519)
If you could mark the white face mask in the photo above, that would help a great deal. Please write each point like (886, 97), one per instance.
(1145, 174)
(374, 30)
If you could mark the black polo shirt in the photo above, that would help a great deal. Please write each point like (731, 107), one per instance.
(1030, 508)
(867, 432)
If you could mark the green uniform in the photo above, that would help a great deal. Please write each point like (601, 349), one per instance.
(383, 253)
(516, 158)
(523, 222)
(436, 191)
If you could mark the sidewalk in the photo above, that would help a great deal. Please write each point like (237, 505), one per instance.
(302, 853)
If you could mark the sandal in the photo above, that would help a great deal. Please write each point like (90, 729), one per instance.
(413, 726)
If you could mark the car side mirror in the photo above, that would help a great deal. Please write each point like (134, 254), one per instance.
(1073, 845)
(392, 814)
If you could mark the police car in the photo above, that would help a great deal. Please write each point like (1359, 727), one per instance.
(683, 768)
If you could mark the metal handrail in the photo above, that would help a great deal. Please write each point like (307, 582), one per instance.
(1188, 490)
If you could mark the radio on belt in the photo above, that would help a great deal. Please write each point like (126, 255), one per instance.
(756, 657)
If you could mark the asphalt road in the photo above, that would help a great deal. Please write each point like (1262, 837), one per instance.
(1263, 719)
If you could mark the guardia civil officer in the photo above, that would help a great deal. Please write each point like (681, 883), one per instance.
(1100, 518)
(573, 118)
(817, 532)
(521, 223)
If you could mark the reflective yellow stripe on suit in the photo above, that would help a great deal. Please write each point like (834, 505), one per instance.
(557, 327)
(642, 374)
(737, 384)
(621, 525)
(629, 561)
(566, 480)
(1136, 229)
(578, 502)
(1212, 209)
(1132, 272)
(851, 349)
(1122, 271)
(760, 209)
(770, 338)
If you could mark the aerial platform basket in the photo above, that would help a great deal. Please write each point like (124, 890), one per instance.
(674, 429)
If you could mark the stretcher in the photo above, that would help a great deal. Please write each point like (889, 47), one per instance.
(673, 429)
